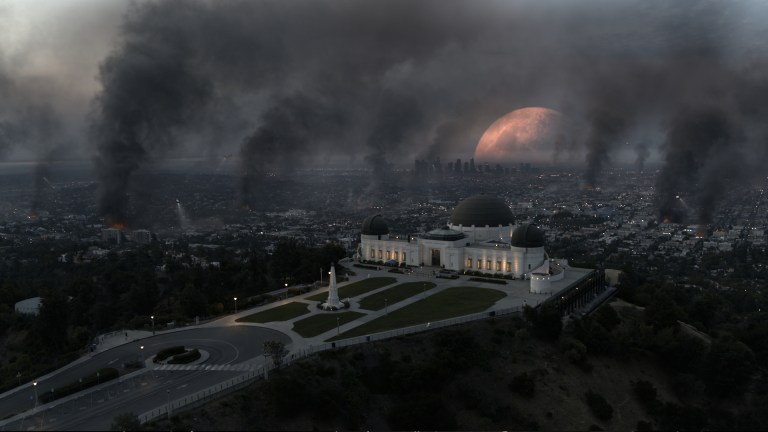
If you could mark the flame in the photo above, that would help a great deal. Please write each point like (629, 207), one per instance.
(701, 232)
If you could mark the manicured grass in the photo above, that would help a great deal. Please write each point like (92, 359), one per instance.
(446, 304)
(356, 288)
(321, 323)
(279, 313)
(393, 295)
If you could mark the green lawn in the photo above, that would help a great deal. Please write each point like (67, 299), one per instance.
(393, 295)
(321, 323)
(446, 304)
(356, 288)
(280, 313)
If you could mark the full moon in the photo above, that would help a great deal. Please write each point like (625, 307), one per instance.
(523, 135)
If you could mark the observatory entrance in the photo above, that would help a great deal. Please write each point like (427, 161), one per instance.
(436, 257)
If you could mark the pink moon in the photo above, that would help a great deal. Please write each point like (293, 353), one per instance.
(523, 135)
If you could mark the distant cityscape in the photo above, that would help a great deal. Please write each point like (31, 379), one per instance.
(607, 226)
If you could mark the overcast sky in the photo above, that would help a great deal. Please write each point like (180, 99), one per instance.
(278, 83)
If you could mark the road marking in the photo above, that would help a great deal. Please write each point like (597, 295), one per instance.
(113, 361)
(181, 386)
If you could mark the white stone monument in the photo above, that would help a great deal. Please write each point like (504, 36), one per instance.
(333, 302)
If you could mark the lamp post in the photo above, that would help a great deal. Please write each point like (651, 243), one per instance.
(141, 353)
(34, 386)
(168, 398)
(153, 324)
(18, 376)
(235, 304)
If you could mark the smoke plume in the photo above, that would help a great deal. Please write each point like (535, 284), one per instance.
(386, 82)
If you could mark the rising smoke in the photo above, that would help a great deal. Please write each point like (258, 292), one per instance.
(389, 80)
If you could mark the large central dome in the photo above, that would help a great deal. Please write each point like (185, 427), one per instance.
(482, 210)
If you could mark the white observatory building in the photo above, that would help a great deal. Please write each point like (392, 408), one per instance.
(481, 235)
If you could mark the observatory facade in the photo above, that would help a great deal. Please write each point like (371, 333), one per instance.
(481, 235)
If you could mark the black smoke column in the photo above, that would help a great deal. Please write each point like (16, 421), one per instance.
(287, 132)
(149, 88)
(701, 161)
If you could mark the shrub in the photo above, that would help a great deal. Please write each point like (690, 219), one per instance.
(487, 280)
(169, 352)
(574, 350)
(187, 357)
(125, 422)
(598, 405)
(104, 375)
(646, 393)
(523, 384)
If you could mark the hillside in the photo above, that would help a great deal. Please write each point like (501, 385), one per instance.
(481, 376)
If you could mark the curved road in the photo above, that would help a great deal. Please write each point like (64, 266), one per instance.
(146, 389)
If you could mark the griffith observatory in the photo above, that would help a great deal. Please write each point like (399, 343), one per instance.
(481, 235)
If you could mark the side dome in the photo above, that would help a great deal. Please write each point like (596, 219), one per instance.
(375, 225)
(482, 210)
(527, 236)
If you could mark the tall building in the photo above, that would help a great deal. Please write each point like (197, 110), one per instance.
(112, 235)
(141, 236)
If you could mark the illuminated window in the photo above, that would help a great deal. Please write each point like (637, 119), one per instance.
(389, 255)
(403, 256)
(509, 266)
(373, 253)
(380, 254)
(498, 265)
(487, 264)
(395, 255)
(479, 264)
(469, 263)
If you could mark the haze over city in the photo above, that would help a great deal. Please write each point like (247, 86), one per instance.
(278, 85)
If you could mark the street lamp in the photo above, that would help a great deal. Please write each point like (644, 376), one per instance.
(141, 351)
(168, 396)
(34, 386)
(235, 304)
(153, 323)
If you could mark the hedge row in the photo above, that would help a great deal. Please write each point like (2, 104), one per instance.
(169, 352)
(104, 375)
(187, 357)
(494, 281)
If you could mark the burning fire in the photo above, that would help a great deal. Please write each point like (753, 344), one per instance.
(701, 232)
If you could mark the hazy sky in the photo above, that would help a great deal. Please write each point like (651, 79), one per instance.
(280, 83)
(51, 50)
